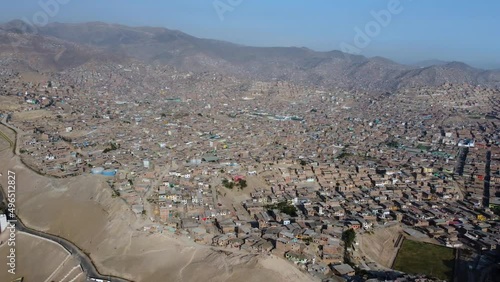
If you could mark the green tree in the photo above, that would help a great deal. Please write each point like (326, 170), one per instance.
(348, 237)
(290, 210)
(392, 144)
(307, 240)
(284, 207)
(227, 184)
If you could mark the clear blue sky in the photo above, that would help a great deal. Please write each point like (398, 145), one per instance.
(462, 30)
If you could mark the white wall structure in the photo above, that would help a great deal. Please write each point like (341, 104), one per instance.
(3, 222)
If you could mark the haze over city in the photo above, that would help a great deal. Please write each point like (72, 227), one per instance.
(425, 30)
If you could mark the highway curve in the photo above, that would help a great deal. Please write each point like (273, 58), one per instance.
(86, 262)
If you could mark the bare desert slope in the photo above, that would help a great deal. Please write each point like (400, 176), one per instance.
(31, 254)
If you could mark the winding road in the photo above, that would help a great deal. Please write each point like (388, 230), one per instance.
(85, 261)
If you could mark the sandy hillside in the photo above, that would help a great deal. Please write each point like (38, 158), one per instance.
(380, 246)
(31, 254)
(8, 104)
(82, 210)
(31, 76)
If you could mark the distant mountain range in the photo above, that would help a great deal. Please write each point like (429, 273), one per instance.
(300, 65)
(429, 63)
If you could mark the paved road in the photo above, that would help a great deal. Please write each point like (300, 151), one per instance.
(86, 263)
(487, 178)
(14, 143)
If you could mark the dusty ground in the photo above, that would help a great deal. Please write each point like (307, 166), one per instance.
(6, 136)
(68, 270)
(82, 210)
(29, 115)
(75, 134)
(32, 262)
(31, 76)
(4, 145)
(380, 246)
(7, 132)
(8, 104)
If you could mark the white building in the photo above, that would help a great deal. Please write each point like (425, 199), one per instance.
(466, 143)
(3, 222)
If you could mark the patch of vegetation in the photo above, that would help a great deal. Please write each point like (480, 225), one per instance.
(344, 155)
(424, 258)
(112, 147)
(496, 210)
(242, 184)
(392, 144)
(307, 240)
(228, 184)
(284, 207)
(348, 237)
(423, 147)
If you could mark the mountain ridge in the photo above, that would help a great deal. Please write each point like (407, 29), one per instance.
(298, 64)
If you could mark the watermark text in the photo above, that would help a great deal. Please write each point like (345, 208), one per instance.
(11, 227)
(223, 6)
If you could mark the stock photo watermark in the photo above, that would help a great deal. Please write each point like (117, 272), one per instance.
(48, 9)
(224, 6)
(10, 220)
(364, 36)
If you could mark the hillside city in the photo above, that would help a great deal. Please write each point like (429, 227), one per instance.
(305, 173)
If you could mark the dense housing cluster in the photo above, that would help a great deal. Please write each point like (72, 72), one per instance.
(270, 167)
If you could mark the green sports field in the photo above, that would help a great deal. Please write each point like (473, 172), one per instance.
(423, 258)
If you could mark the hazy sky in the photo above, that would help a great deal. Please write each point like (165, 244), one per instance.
(461, 30)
